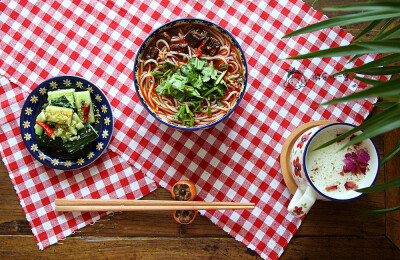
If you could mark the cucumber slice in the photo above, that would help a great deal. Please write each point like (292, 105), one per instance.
(59, 115)
(86, 135)
(76, 122)
(56, 147)
(68, 93)
(83, 98)
(65, 132)
(38, 128)
(62, 102)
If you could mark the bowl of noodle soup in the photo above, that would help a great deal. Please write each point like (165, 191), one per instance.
(190, 74)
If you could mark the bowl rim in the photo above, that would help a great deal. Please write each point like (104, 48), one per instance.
(308, 177)
(190, 20)
(75, 166)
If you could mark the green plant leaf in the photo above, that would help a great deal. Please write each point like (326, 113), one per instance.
(366, 6)
(384, 105)
(381, 46)
(390, 122)
(362, 47)
(391, 154)
(385, 26)
(393, 32)
(377, 119)
(383, 186)
(347, 50)
(355, 57)
(367, 29)
(368, 81)
(340, 137)
(384, 61)
(390, 70)
(377, 129)
(379, 211)
(385, 89)
(345, 20)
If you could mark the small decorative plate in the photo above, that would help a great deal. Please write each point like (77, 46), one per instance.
(33, 105)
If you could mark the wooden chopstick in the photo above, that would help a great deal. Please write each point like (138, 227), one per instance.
(145, 208)
(144, 205)
(84, 202)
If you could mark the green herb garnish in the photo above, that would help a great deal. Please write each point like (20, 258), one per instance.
(155, 101)
(164, 70)
(223, 67)
(192, 83)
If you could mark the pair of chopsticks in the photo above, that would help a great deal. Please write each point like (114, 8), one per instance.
(143, 205)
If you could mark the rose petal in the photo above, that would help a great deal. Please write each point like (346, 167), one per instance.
(331, 188)
(363, 156)
(349, 167)
(350, 185)
(356, 162)
(363, 167)
(351, 156)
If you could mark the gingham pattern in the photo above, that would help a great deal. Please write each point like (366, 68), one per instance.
(237, 160)
(37, 185)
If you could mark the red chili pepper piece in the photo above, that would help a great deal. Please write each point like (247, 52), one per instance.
(199, 54)
(86, 109)
(46, 128)
(201, 45)
(198, 50)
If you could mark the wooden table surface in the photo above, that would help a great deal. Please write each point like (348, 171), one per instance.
(331, 229)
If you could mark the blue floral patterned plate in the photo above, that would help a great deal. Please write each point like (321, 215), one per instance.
(152, 35)
(33, 105)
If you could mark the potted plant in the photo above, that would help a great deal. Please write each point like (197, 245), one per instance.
(383, 16)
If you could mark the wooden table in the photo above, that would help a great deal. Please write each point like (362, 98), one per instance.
(331, 228)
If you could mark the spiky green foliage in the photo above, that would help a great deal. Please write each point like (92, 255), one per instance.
(383, 17)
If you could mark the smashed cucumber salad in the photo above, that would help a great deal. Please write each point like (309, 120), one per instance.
(65, 125)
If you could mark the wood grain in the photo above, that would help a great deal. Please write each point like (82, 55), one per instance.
(85, 247)
(131, 247)
(392, 168)
(342, 247)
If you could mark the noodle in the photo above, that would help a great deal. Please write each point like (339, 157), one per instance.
(166, 106)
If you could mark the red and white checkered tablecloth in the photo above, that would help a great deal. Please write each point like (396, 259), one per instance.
(237, 160)
(37, 185)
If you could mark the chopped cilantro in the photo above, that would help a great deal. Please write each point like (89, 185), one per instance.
(192, 83)
(223, 67)
(160, 71)
(155, 101)
(220, 77)
(158, 74)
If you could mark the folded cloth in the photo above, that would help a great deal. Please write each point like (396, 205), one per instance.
(238, 159)
(37, 186)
